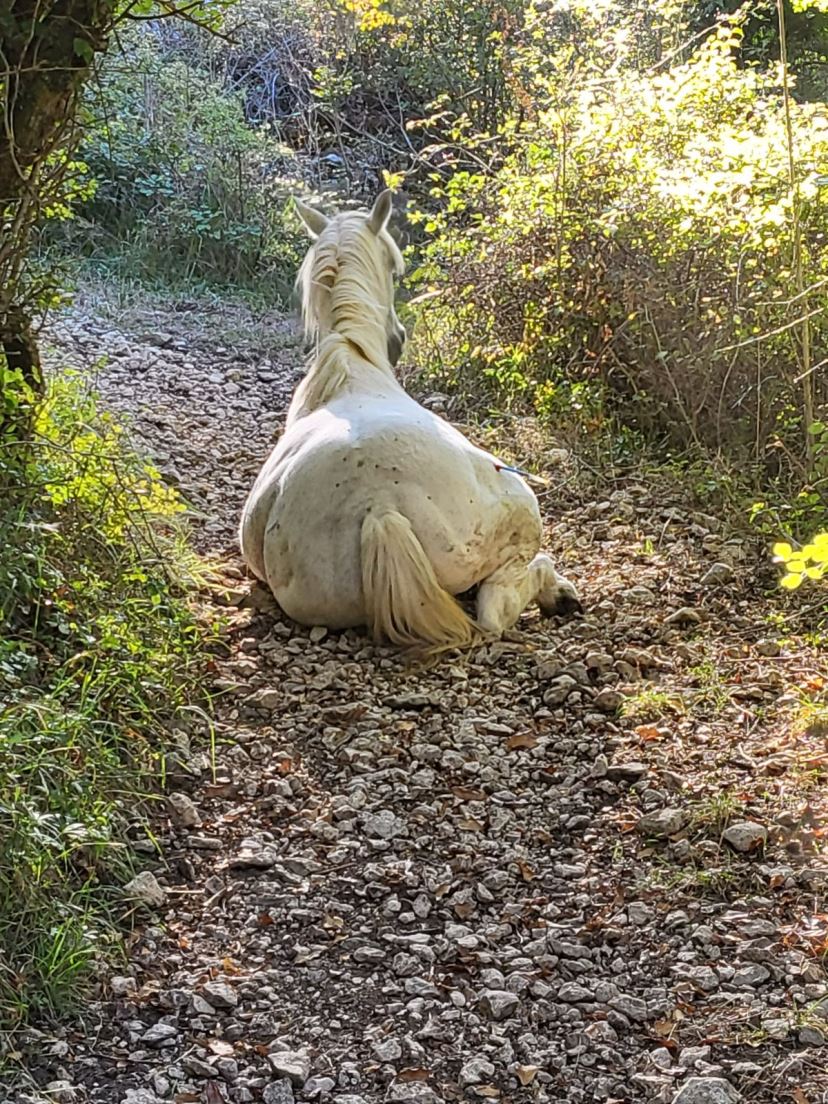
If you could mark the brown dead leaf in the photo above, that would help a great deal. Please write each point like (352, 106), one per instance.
(526, 871)
(465, 793)
(647, 732)
(486, 1090)
(213, 1094)
(342, 714)
(264, 920)
(522, 740)
(463, 909)
(526, 1074)
(470, 824)
(187, 1098)
(799, 1096)
(413, 1073)
(230, 968)
(664, 1028)
(219, 789)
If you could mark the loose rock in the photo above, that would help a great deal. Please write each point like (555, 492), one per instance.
(745, 836)
(664, 822)
(220, 995)
(278, 1092)
(499, 1003)
(716, 574)
(295, 1065)
(706, 1090)
(145, 888)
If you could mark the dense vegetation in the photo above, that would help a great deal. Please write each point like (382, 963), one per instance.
(607, 225)
(98, 654)
(619, 216)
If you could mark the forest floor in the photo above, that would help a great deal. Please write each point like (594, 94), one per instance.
(581, 864)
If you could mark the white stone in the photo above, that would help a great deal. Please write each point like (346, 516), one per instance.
(145, 888)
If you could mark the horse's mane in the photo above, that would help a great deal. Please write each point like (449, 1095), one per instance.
(343, 282)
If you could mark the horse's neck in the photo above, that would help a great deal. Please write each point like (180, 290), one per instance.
(338, 366)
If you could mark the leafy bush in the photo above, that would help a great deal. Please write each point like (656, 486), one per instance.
(631, 250)
(98, 653)
(185, 188)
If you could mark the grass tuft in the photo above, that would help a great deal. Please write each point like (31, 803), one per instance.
(99, 653)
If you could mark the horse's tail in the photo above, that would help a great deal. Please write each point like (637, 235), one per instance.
(404, 602)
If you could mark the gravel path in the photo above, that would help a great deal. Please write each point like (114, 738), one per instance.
(582, 864)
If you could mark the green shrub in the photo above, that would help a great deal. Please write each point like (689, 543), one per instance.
(99, 652)
(185, 189)
(631, 252)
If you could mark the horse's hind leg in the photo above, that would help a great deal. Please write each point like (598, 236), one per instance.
(503, 597)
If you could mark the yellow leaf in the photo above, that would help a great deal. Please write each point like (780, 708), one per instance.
(814, 572)
(782, 550)
(791, 582)
(392, 180)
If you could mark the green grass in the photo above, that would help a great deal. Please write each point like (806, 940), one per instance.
(651, 704)
(99, 653)
(711, 693)
(716, 811)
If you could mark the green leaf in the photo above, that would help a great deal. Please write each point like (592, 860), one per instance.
(83, 49)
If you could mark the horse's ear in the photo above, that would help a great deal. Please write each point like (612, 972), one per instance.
(380, 212)
(314, 220)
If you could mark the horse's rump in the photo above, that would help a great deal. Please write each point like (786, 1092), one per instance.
(404, 602)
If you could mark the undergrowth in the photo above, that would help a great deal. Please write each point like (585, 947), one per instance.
(99, 651)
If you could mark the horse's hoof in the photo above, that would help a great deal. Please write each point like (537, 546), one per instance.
(565, 605)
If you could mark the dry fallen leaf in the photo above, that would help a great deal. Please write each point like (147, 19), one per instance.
(465, 793)
(213, 1094)
(486, 1090)
(526, 1074)
(413, 1073)
(526, 871)
(800, 1097)
(469, 824)
(664, 1027)
(521, 740)
(219, 789)
(647, 732)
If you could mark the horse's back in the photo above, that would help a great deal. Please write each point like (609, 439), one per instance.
(333, 467)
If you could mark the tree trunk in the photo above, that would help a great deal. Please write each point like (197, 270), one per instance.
(46, 48)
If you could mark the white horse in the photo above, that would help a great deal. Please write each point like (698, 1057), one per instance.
(371, 510)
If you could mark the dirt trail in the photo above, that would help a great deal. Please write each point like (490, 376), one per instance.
(519, 876)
